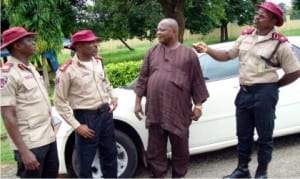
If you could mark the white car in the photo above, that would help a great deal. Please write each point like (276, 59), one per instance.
(216, 129)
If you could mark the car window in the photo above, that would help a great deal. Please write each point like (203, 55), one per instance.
(297, 51)
(215, 70)
(212, 69)
(131, 85)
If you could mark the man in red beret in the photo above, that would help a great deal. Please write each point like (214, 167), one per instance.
(22, 93)
(262, 52)
(86, 101)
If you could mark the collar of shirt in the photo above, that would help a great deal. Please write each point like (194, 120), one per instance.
(266, 37)
(96, 64)
(21, 65)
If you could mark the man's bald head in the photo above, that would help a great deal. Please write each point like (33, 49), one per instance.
(172, 23)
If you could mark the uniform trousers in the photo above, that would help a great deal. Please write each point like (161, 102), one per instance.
(48, 159)
(101, 121)
(255, 109)
(157, 152)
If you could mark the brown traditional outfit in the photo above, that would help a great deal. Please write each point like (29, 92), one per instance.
(170, 79)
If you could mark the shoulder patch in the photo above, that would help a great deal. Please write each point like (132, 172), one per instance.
(280, 37)
(97, 57)
(247, 31)
(3, 81)
(6, 67)
(65, 65)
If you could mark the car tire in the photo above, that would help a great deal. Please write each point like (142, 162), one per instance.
(127, 158)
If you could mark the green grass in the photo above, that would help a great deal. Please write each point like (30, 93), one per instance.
(7, 155)
(2, 128)
(121, 55)
(294, 32)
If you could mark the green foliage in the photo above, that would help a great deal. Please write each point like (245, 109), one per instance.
(39, 16)
(296, 4)
(4, 17)
(126, 19)
(122, 73)
(68, 10)
(203, 15)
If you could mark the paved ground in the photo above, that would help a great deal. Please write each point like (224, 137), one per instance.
(285, 163)
(8, 170)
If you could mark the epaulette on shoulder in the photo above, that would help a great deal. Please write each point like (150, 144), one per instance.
(6, 67)
(65, 65)
(97, 57)
(280, 37)
(247, 31)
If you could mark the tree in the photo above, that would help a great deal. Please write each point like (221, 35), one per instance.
(4, 19)
(295, 10)
(237, 11)
(203, 15)
(296, 4)
(43, 17)
(175, 9)
(138, 18)
(70, 13)
(125, 19)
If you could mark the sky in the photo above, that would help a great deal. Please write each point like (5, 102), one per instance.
(287, 2)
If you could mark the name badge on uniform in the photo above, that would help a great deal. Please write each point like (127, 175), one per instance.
(261, 66)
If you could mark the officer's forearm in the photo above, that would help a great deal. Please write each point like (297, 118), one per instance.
(288, 78)
(219, 55)
(9, 117)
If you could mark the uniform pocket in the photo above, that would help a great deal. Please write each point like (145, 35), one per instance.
(36, 122)
(29, 84)
(32, 91)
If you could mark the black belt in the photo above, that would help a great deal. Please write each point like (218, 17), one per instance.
(101, 109)
(257, 87)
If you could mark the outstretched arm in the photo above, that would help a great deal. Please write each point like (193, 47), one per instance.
(220, 55)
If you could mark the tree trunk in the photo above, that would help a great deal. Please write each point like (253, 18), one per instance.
(45, 73)
(131, 49)
(224, 31)
(175, 9)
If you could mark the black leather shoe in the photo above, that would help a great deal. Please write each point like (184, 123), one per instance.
(261, 171)
(261, 175)
(239, 173)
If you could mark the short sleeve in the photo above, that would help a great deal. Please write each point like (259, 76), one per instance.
(8, 89)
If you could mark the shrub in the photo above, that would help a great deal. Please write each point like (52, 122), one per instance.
(120, 74)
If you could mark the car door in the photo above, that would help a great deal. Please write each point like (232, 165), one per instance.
(216, 128)
(287, 110)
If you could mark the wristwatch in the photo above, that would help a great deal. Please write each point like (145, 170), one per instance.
(198, 107)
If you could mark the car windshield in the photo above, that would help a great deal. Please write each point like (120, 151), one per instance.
(215, 70)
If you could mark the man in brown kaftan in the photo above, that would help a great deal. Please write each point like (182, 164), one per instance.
(171, 79)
